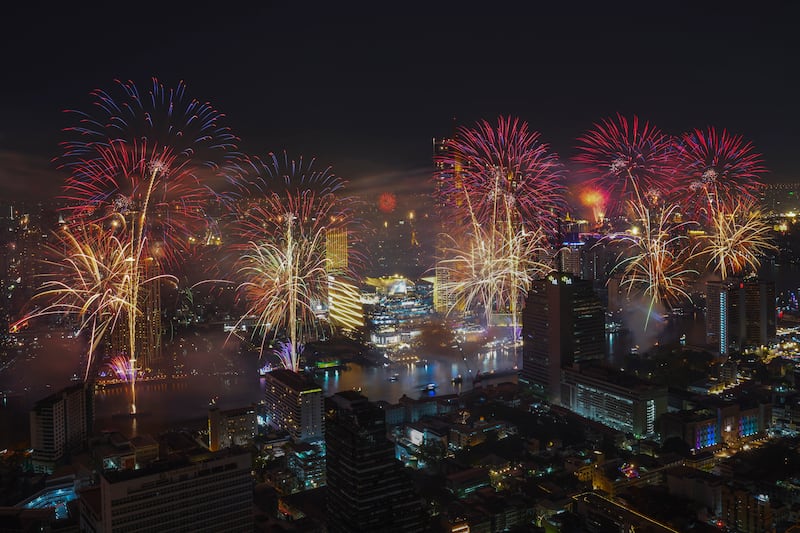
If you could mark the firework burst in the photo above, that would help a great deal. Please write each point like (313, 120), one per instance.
(88, 279)
(499, 172)
(283, 257)
(738, 238)
(137, 164)
(655, 262)
(493, 271)
(716, 169)
(627, 160)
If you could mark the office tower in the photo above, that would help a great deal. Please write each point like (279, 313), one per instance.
(760, 315)
(739, 313)
(210, 492)
(294, 403)
(336, 250)
(147, 338)
(570, 256)
(231, 427)
(60, 424)
(368, 489)
(345, 309)
(563, 324)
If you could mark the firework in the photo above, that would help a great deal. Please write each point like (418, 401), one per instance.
(655, 261)
(737, 239)
(88, 279)
(627, 160)
(716, 169)
(501, 172)
(137, 165)
(493, 271)
(122, 369)
(283, 256)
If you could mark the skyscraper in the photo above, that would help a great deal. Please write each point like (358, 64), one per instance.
(148, 324)
(563, 323)
(368, 489)
(60, 423)
(740, 312)
(294, 403)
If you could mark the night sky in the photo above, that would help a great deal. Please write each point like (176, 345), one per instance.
(364, 87)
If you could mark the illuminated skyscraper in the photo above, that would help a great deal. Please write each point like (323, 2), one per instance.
(739, 313)
(294, 403)
(60, 424)
(563, 323)
(336, 250)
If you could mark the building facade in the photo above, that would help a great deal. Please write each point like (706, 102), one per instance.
(368, 489)
(295, 403)
(563, 323)
(60, 424)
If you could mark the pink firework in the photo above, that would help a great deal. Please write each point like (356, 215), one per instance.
(493, 172)
(292, 235)
(629, 160)
(147, 161)
(716, 169)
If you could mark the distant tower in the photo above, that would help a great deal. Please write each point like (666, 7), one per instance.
(563, 323)
(148, 323)
(60, 424)
(443, 294)
(368, 488)
(336, 250)
(294, 403)
(740, 312)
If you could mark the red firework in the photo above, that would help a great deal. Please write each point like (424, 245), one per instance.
(387, 202)
(133, 184)
(508, 160)
(716, 169)
(626, 159)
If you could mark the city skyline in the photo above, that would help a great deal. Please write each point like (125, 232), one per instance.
(366, 94)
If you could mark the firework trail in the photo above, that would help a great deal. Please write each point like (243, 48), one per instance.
(505, 188)
(121, 367)
(738, 238)
(88, 279)
(283, 256)
(138, 163)
(655, 261)
(716, 169)
(494, 173)
(493, 271)
(628, 160)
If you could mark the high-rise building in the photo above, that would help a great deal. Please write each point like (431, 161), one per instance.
(368, 488)
(231, 427)
(294, 403)
(336, 250)
(147, 338)
(60, 424)
(206, 492)
(563, 323)
(740, 312)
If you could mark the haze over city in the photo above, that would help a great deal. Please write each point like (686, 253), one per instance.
(424, 267)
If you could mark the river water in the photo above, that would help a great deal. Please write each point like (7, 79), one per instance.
(235, 382)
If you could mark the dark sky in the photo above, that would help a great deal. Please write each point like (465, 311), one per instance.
(364, 87)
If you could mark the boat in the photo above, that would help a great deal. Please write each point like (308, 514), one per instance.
(429, 387)
(394, 377)
(457, 380)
